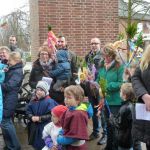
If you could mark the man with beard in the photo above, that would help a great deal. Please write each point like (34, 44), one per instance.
(13, 45)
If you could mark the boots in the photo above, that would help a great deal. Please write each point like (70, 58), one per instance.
(102, 140)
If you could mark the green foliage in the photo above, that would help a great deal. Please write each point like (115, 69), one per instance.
(120, 36)
(131, 30)
(81, 62)
(103, 86)
(49, 27)
(139, 42)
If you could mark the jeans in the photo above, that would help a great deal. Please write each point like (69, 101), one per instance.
(103, 122)
(9, 134)
(121, 148)
(98, 123)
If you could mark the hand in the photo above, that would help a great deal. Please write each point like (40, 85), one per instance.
(146, 99)
(54, 147)
(35, 118)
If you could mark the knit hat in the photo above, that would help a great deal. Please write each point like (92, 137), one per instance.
(44, 86)
(59, 110)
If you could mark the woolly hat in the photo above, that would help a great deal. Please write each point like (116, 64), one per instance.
(44, 86)
(59, 110)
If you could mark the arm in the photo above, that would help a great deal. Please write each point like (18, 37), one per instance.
(138, 85)
(29, 111)
(56, 72)
(32, 82)
(115, 86)
(44, 118)
(66, 140)
(13, 82)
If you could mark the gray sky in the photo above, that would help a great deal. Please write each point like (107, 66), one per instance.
(7, 6)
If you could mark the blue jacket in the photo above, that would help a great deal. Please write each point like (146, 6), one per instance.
(40, 108)
(10, 88)
(2, 77)
(62, 69)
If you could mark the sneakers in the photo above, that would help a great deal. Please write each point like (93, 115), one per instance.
(102, 140)
(93, 136)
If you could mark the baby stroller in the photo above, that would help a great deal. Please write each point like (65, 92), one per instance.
(25, 94)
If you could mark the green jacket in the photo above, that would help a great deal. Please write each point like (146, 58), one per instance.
(114, 78)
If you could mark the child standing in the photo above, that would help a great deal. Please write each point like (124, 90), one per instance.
(74, 121)
(125, 118)
(38, 112)
(52, 129)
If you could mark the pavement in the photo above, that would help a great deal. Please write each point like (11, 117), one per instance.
(22, 135)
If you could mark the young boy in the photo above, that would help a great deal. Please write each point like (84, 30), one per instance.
(74, 121)
(38, 112)
(62, 70)
(124, 118)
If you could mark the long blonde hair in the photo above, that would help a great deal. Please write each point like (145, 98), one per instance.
(145, 61)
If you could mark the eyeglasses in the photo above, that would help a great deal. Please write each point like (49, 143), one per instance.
(42, 54)
(94, 43)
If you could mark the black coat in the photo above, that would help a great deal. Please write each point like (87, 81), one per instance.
(141, 84)
(10, 88)
(125, 125)
(37, 73)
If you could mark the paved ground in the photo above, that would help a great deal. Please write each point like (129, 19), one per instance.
(22, 134)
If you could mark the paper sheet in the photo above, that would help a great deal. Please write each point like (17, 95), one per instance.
(48, 80)
(141, 112)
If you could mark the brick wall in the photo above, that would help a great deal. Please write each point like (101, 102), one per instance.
(78, 21)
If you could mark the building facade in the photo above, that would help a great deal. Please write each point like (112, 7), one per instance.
(77, 20)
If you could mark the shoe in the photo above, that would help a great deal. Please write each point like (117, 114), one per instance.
(93, 136)
(5, 148)
(102, 140)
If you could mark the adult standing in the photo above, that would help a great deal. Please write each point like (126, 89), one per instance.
(41, 67)
(112, 72)
(62, 45)
(140, 81)
(13, 45)
(4, 54)
(94, 56)
(10, 88)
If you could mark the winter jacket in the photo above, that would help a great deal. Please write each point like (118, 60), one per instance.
(41, 108)
(72, 57)
(37, 73)
(10, 88)
(114, 79)
(141, 85)
(125, 125)
(94, 58)
(2, 77)
(62, 69)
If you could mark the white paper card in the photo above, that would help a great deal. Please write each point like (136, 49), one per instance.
(48, 80)
(141, 112)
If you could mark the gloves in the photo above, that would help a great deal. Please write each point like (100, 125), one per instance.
(48, 142)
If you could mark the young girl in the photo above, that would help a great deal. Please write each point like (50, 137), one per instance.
(52, 129)
(38, 112)
(74, 121)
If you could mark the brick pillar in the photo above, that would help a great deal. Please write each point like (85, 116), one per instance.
(79, 21)
(34, 28)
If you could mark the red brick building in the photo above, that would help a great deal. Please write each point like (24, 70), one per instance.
(77, 20)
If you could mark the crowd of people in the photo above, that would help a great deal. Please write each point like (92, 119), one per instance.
(59, 112)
